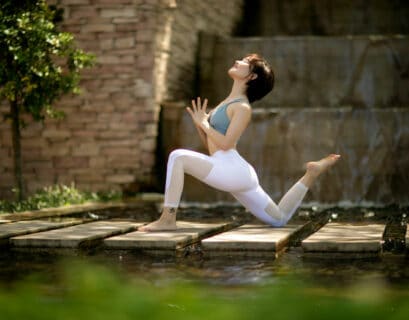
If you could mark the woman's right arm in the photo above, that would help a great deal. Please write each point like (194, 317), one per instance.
(240, 119)
(201, 132)
(202, 135)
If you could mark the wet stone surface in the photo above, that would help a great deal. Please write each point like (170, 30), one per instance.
(13, 229)
(74, 236)
(346, 237)
(186, 234)
(250, 238)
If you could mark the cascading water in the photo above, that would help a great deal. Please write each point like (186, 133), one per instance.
(373, 143)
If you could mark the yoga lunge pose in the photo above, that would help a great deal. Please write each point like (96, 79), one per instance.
(224, 168)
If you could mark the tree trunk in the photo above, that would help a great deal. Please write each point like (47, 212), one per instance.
(15, 115)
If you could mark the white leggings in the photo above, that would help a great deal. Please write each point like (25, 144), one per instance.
(228, 171)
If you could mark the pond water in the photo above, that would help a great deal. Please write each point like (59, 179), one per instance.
(392, 269)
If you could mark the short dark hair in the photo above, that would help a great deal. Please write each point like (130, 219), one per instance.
(264, 82)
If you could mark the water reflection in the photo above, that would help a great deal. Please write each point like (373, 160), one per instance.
(392, 272)
(232, 271)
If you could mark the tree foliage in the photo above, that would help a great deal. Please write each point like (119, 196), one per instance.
(38, 64)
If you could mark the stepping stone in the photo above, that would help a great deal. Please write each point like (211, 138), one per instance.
(74, 236)
(346, 238)
(9, 230)
(186, 234)
(250, 239)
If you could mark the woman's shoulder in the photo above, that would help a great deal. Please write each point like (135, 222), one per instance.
(241, 109)
(242, 106)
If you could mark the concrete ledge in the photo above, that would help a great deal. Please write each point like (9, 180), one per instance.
(59, 211)
(78, 208)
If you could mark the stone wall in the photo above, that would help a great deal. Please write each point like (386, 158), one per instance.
(145, 53)
(317, 17)
(358, 71)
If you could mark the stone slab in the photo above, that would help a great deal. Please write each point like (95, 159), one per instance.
(346, 238)
(9, 230)
(186, 234)
(74, 236)
(251, 238)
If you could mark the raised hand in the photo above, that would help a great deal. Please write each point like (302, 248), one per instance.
(198, 112)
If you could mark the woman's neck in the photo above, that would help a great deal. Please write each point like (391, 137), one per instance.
(238, 90)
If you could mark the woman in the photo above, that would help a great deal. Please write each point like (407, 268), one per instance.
(225, 169)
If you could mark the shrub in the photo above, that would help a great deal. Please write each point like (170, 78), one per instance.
(56, 196)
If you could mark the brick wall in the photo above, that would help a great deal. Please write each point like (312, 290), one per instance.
(145, 54)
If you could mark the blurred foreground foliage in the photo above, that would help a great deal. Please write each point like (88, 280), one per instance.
(56, 196)
(95, 292)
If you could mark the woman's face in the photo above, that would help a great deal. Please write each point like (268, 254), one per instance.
(240, 69)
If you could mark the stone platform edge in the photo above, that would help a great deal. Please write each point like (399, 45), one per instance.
(78, 208)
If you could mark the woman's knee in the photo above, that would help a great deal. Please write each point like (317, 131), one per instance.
(177, 155)
(280, 223)
(273, 211)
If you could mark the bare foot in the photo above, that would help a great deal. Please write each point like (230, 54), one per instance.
(315, 168)
(159, 225)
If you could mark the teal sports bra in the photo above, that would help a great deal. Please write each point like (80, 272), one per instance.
(219, 120)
